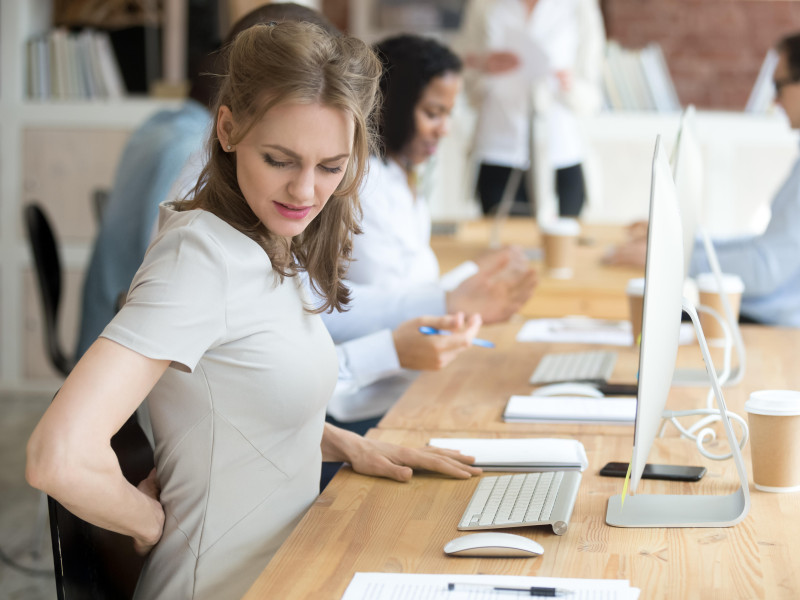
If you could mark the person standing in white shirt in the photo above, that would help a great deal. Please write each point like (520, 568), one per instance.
(527, 57)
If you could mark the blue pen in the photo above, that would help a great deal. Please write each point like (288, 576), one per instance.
(434, 331)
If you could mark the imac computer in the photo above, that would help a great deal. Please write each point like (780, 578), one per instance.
(687, 171)
(663, 304)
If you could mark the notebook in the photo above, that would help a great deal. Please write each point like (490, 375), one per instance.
(526, 454)
(569, 409)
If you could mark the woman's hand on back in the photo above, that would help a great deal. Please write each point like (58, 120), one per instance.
(151, 488)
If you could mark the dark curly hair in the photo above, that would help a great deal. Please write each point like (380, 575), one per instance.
(410, 62)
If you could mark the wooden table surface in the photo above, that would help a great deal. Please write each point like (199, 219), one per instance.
(365, 524)
(591, 291)
(471, 393)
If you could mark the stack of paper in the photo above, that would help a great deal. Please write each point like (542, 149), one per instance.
(380, 586)
(528, 454)
(569, 409)
(585, 330)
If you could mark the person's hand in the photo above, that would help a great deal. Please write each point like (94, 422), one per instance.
(632, 253)
(152, 489)
(493, 63)
(637, 230)
(432, 352)
(498, 290)
(500, 61)
(564, 78)
(382, 459)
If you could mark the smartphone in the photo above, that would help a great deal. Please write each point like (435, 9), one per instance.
(667, 472)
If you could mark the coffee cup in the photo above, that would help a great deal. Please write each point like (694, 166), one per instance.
(709, 294)
(559, 238)
(774, 421)
(635, 292)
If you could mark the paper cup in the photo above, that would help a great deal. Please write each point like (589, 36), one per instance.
(559, 238)
(635, 292)
(774, 421)
(709, 294)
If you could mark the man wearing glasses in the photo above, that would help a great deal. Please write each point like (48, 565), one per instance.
(769, 263)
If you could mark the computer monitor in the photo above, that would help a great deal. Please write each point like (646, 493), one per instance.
(688, 170)
(663, 304)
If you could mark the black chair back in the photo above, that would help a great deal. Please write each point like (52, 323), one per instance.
(48, 274)
(90, 562)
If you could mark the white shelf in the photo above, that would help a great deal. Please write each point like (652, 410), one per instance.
(127, 113)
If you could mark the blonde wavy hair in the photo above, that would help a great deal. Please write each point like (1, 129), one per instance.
(298, 62)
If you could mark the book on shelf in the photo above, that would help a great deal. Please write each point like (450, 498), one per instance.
(64, 65)
(638, 79)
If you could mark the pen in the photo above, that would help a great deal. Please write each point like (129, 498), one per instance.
(546, 592)
(433, 331)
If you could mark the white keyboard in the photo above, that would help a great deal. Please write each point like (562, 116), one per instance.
(594, 366)
(523, 499)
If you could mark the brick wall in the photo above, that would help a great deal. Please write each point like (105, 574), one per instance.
(714, 48)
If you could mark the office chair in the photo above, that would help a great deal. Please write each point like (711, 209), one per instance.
(90, 562)
(48, 273)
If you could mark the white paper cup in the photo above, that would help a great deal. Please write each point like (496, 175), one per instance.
(774, 421)
(559, 239)
(635, 292)
(709, 294)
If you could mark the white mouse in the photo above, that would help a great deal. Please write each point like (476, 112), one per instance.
(568, 389)
(493, 544)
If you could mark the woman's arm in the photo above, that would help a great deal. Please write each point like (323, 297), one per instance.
(382, 459)
(70, 455)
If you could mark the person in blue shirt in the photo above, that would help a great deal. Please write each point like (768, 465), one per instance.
(769, 263)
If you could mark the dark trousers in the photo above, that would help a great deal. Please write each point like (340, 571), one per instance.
(570, 189)
(329, 469)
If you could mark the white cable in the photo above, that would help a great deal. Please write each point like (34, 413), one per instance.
(705, 433)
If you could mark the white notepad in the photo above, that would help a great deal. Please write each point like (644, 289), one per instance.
(527, 454)
(571, 409)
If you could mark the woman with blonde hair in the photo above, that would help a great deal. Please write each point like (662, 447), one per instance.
(238, 419)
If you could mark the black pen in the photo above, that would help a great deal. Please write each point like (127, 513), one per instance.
(546, 592)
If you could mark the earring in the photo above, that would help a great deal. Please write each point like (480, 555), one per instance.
(229, 147)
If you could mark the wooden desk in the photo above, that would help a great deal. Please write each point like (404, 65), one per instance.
(366, 524)
(594, 291)
(471, 393)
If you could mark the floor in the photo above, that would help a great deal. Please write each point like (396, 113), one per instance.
(26, 558)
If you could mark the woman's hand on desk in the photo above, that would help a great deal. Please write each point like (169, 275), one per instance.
(424, 352)
(382, 459)
(498, 290)
(630, 254)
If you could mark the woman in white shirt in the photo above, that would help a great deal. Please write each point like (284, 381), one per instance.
(395, 274)
(238, 420)
(525, 57)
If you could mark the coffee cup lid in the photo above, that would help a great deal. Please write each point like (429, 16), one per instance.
(733, 284)
(561, 227)
(774, 402)
(635, 287)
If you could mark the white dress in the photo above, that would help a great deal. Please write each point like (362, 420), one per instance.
(238, 419)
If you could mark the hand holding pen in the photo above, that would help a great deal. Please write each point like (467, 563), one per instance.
(431, 352)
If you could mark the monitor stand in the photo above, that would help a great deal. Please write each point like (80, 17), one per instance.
(698, 377)
(662, 510)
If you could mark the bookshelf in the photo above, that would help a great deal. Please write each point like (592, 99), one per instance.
(89, 135)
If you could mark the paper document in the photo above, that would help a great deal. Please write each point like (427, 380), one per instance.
(571, 409)
(409, 586)
(526, 454)
(584, 330)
